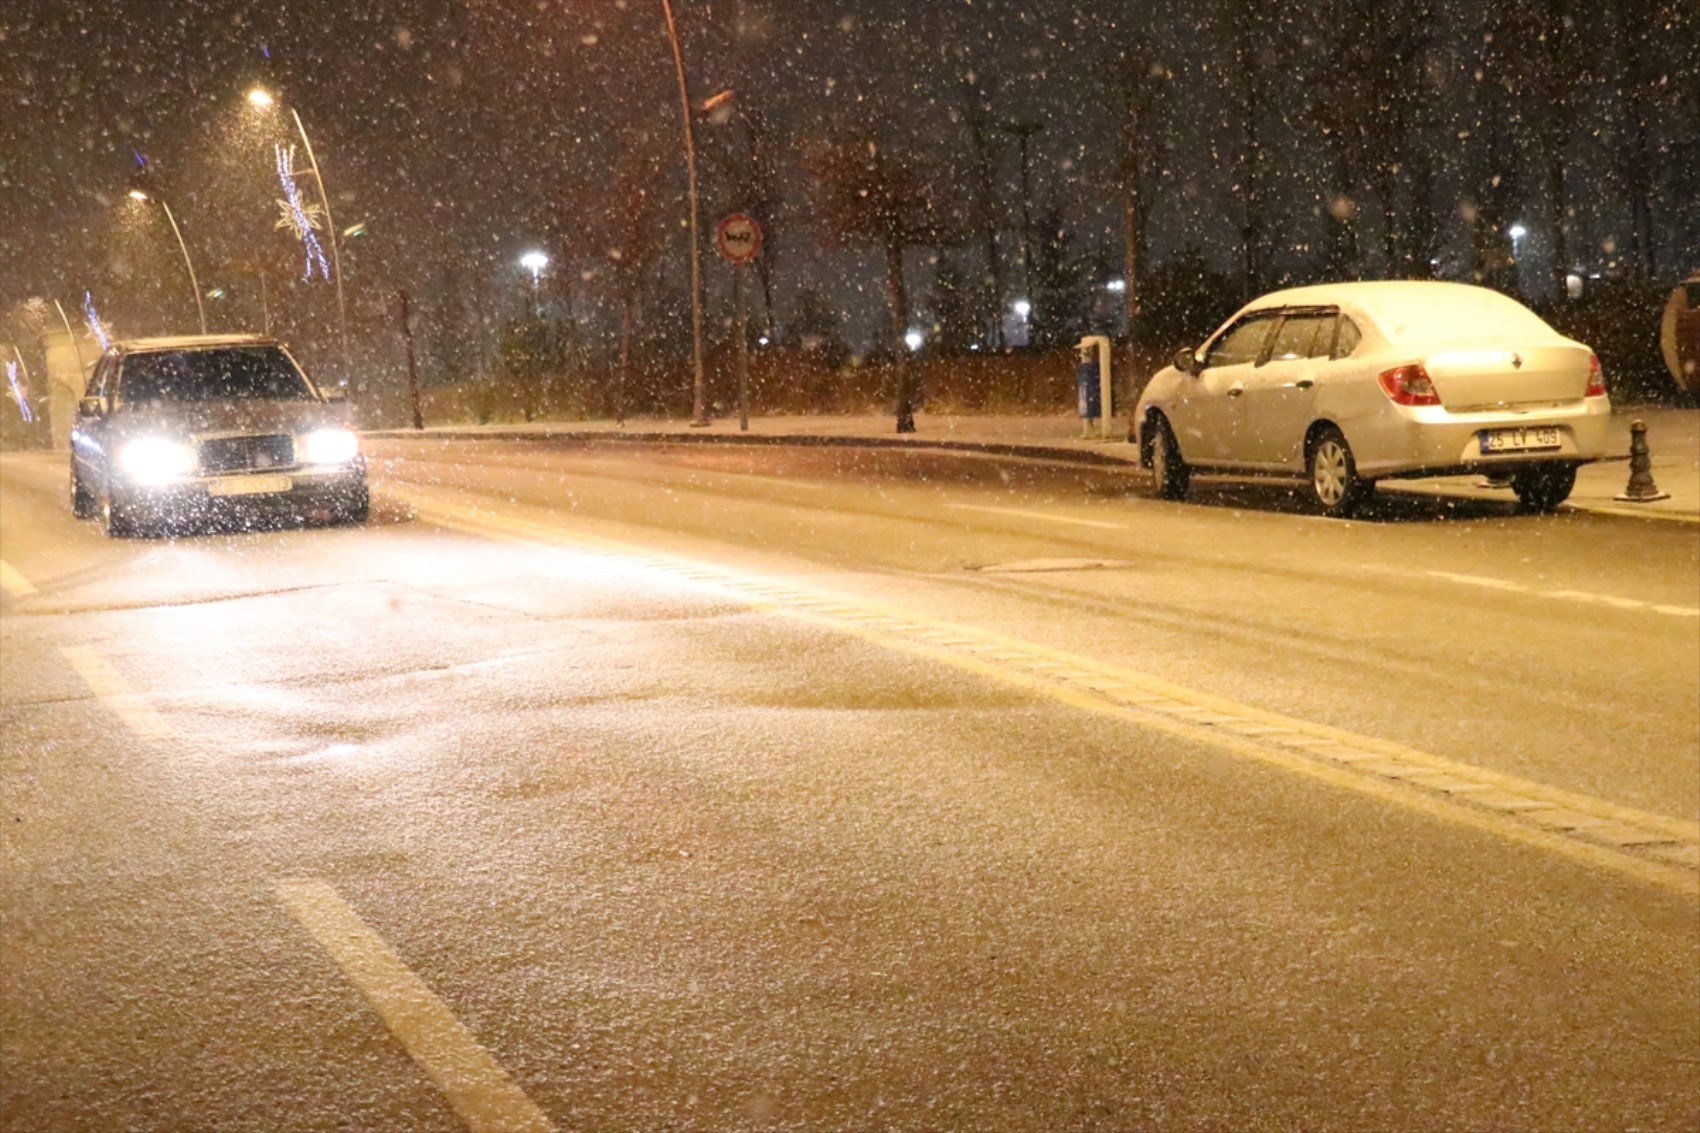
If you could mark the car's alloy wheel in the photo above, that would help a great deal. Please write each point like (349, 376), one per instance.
(1334, 482)
(1170, 476)
(1545, 487)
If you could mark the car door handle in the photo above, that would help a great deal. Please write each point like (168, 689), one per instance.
(1235, 391)
(1304, 383)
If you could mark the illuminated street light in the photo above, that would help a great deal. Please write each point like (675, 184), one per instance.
(261, 99)
(914, 340)
(200, 309)
(535, 262)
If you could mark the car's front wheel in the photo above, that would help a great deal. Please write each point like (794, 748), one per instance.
(121, 518)
(1170, 477)
(82, 500)
(1545, 487)
(358, 509)
(1335, 487)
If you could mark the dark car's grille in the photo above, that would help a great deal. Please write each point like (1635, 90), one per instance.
(244, 454)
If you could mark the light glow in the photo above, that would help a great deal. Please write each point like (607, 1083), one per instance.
(329, 446)
(155, 460)
(260, 98)
(914, 339)
(1023, 308)
(534, 261)
(138, 195)
(1517, 232)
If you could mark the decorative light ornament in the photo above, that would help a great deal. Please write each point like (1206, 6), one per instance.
(95, 324)
(300, 217)
(18, 392)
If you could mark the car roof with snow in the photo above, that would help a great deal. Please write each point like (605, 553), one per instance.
(189, 342)
(1417, 311)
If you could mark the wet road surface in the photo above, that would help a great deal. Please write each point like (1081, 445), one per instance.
(597, 787)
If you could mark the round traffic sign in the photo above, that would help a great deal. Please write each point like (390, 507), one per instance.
(738, 238)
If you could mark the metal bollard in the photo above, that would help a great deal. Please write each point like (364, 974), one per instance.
(1640, 489)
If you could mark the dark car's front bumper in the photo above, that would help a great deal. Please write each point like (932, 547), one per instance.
(307, 493)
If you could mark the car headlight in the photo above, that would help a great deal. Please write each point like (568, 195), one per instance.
(330, 446)
(155, 460)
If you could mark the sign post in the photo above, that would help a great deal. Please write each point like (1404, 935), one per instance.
(738, 240)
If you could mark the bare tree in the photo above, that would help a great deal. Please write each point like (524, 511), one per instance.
(868, 195)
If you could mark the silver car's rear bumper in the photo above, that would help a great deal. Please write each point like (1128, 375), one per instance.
(1430, 440)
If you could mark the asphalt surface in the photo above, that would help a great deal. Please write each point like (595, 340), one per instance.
(700, 787)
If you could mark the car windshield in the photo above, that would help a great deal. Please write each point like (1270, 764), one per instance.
(236, 373)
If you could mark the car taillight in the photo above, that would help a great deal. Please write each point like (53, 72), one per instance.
(1596, 377)
(1409, 385)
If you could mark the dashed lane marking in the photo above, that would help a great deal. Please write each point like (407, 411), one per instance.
(114, 692)
(475, 1084)
(13, 582)
(1652, 848)
(1024, 513)
(1507, 586)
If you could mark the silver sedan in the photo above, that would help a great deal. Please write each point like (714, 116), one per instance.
(1340, 385)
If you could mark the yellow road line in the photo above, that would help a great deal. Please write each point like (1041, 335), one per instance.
(114, 692)
(469, 1075)
(1652, 848)
(13, 582)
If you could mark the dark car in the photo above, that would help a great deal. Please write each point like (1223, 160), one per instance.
(177, 429)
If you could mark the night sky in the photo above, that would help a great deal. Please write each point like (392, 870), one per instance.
(459, 133)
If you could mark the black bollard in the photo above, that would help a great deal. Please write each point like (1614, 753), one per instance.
(1641, 489)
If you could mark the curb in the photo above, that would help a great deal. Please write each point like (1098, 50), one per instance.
(1030, 451)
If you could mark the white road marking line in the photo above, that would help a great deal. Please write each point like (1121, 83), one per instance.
(1023, 513)
(12, 580)
(114, 692)
(1510, 587)
(469, 1075)
(1479, 580)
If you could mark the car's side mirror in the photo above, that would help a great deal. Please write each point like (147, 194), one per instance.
(1186, 361)
(91, 407)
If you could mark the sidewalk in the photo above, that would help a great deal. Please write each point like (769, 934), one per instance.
(1673, 440)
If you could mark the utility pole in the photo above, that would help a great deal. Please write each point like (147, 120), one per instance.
(412, 366)
(1024, 131)
(699, 383)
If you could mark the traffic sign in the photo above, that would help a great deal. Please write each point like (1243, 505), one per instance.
(738, 238)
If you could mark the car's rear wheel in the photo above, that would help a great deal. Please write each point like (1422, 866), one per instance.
(1545, 487)
(82, 500)
(1335, 487)
(1170, 477)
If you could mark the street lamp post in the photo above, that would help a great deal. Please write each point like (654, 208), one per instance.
(200, 308)
(262, 99)
(699, 387)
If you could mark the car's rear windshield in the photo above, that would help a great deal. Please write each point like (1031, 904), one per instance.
(231, 373)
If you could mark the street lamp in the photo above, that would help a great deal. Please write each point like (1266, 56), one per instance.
(699, 386)
(536, 262)
(261, 99)
(200, 309)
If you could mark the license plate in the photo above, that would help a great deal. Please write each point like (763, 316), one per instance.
(248, 485)
(1519, 440)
